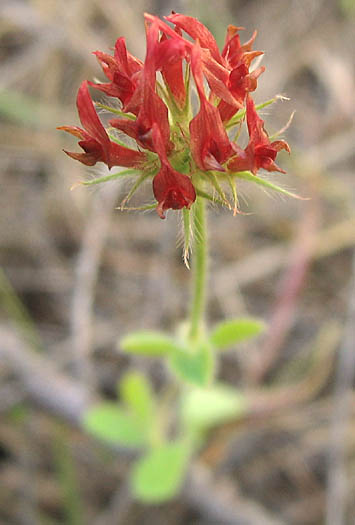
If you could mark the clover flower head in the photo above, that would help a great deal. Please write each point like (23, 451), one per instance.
(183, 153)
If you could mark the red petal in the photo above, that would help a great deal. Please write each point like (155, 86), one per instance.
(197, 31)
(278, 145)
(85, 158)
(159, 145)
(155, 111)
(174, 78)
(172, 51)
(152, 34)
(128, 63)
(221, 90)
(209, 139)
(107, 62)
(241, 162)
(210, 145)
(121, 156)
(172, 190)
(91, 122)
(234, 52)
(121, 55)
(226, 111)
(232, 41)
(121, 87)
(128, 126)
(256, 129)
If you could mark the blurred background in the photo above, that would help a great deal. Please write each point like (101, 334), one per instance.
(76, 275)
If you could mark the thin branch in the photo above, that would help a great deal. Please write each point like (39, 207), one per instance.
(41, 382)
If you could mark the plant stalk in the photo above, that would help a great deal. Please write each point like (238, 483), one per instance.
(199, 277)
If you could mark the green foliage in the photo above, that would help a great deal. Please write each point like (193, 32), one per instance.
(194, 365)
(234, 331)
(148, 343)
(113, 424)
(203, 408)
(158, 475)
(136, 392)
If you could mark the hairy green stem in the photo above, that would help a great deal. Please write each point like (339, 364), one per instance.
(199, 269)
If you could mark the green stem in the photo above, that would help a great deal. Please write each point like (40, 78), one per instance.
(199, 269)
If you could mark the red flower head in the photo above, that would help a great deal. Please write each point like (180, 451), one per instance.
(171, 188)
(177, 141)
(94, 140)
(260, 152)
(210, 145)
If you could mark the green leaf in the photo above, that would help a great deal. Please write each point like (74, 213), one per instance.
(149, 343)
(247, 175)
(109, 422)
(234, 331)
(158, 476)
(137, 393)
(208, 407)
(194, 365)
